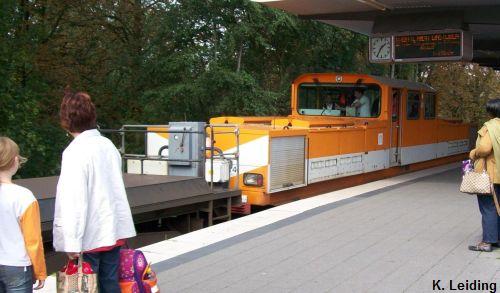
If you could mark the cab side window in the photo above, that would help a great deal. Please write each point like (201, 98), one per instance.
(429, 106)
(396, 98)
(413, 106)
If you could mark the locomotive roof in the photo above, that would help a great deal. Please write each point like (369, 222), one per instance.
(400, 83)
(396, 83)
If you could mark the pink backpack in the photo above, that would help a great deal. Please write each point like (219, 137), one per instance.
(136, 275)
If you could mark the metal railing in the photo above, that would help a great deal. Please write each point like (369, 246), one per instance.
(234, 155)
(210, 129)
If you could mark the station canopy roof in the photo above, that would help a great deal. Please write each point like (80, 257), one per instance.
(372, 17)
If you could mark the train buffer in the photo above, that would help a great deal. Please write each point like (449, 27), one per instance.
(406, 233)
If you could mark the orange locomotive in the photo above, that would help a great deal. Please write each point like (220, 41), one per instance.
(344, 129)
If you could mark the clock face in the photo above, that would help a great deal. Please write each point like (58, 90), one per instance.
(380, 48)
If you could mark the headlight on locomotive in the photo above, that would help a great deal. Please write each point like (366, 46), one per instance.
(253, 179)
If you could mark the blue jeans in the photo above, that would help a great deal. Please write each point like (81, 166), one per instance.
(106, 265)
(490, 219)
(16, 279)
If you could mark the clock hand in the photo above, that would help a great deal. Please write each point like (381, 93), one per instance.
(379, 50)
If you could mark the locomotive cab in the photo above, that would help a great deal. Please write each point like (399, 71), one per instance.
(339, 100)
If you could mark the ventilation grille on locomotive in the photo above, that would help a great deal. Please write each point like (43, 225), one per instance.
(287, 163)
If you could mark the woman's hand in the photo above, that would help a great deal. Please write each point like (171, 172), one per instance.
(72, 255)
(40, 284)
(472, 154)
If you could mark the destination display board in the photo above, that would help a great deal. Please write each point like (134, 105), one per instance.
(432, 46)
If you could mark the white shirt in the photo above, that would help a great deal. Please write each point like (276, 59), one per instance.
(92, 208)
(364, 108)
(14, 201)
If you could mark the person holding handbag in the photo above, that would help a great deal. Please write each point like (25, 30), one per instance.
(22, 259)
(485, 155)
(92, 213)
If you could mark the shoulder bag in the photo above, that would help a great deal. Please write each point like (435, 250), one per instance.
(474, 182)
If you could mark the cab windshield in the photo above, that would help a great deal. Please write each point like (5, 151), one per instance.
(341, 100)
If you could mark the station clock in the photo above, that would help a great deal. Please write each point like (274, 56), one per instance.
(380, 49)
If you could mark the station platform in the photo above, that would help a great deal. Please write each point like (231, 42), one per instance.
(401, 234)
(149, 196)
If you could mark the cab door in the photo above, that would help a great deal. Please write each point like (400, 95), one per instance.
(395, 151)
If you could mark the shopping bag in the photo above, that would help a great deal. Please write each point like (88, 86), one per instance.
(77, 278)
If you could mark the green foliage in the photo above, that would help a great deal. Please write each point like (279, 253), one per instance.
(23, 93)
(464, 90)
(157, 61)
(153, 62)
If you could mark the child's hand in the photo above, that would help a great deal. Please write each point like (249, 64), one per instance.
(40, 284)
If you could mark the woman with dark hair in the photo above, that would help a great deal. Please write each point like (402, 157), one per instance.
(485, 156)
(92, 213)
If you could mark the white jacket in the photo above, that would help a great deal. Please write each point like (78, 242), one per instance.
(92, 209)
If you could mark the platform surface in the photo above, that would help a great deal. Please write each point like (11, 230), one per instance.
(146, 193)
(394, 235)
(45, 187)
(397, 239)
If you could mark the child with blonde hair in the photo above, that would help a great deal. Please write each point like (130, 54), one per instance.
(22, 259)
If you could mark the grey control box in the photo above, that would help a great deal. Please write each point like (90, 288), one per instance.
(186, 148)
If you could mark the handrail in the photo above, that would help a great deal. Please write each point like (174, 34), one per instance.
(236, 132)
(148, 131)
(144, 130)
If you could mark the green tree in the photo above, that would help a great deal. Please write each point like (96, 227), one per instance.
(146, 61)
(464, 90)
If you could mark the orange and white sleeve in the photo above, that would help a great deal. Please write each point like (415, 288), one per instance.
(32, 233)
